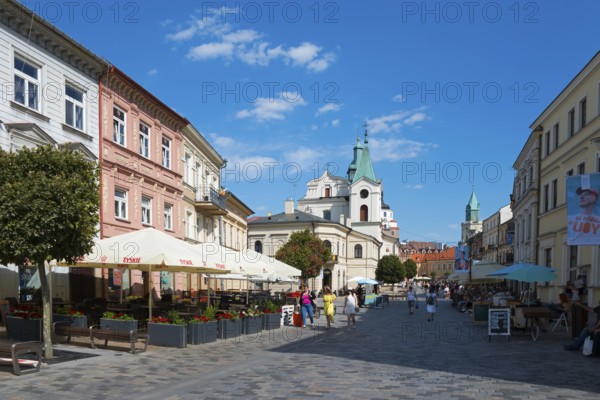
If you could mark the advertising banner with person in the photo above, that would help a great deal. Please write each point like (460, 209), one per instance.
(583, 211)
(461, 259)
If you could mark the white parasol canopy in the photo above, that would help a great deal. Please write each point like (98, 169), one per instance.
(150, 250)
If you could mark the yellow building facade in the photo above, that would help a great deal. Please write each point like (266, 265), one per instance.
(566, 131)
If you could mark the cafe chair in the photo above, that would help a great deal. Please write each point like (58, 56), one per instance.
(565, 303)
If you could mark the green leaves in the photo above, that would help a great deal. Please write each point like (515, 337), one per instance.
(390, 270)
(49, 202)
(304, 251)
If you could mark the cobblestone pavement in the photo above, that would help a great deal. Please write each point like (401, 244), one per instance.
(390, 354)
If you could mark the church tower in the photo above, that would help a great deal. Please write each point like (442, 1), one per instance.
(366, 191)
(472, 224)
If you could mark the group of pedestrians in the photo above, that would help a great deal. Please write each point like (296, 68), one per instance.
(307, 305)
(351, 305)
(430, 302)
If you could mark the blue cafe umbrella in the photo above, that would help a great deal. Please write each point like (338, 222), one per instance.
(526, 272)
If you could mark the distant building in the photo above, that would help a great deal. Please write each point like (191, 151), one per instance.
(347, 213)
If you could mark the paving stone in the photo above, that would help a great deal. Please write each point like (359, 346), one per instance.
(390, 354)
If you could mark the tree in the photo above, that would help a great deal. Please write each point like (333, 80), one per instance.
(305, 251)
(390, 270)
(49, 202)
(411, 268)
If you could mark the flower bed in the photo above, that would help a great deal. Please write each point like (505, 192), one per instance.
(169, 335)
(229, 325)
(169, 331)
(202, 331)
(118, 322)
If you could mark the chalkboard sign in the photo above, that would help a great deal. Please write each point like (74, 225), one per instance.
(498, 322)
(480, 313)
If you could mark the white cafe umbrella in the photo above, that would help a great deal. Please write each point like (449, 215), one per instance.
(244, 263)
(149, 250)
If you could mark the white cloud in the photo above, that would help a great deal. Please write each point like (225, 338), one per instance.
(413, 119)
(397, 98)
(387, 123)
(242, 36)
(247, 46)
(210, 50)
(454, 226)
(222, 141)
(329, 107)
(304, 156)
(153, 72)
(185, 34)
(314, 127)
(397, 149)
(393, 122)
(266, 109)
(335, 123)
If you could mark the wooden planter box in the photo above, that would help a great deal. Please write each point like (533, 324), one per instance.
(252, 325)
(69, 320)
(202, 332)
(118, 325)
(272, 321)
(229, 328)
(24, 330)
(167, 335)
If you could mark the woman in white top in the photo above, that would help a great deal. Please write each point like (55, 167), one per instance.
(411, 298)
(350, 306)
(431, 301)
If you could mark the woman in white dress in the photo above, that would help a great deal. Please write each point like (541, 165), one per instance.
(350, 306)
(431, 301)
(411, 298)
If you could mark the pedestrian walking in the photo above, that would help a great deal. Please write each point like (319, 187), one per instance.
(307, 308)
(411, 298)
(350, 307)
(328, 306)
(431, 301)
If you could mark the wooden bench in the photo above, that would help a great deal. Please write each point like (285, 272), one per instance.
(95, 332)
(14, 350)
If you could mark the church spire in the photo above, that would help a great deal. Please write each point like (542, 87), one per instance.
(472, 209)
(364, 167)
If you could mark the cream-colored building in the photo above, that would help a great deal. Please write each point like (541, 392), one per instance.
(493, 234)
(210, 214)
(524, 200)
(566, 130)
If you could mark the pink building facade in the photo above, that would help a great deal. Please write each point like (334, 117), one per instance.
(141, 175)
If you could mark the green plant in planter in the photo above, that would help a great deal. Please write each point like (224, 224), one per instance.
(270, 307)
(121, 316)
(172, 318)
(229, 315)
(210, 312)
(253, 311)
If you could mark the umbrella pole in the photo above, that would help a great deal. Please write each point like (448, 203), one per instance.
(247, 289)
(151, 288)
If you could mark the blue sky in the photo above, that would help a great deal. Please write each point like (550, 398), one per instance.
(282, 89)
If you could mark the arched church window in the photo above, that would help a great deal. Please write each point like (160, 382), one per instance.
(364, 213)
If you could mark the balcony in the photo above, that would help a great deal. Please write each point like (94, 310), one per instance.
(210, 202)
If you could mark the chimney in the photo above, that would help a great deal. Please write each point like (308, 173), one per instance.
(289, 206)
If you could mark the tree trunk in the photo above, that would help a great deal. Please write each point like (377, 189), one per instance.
(46, 311)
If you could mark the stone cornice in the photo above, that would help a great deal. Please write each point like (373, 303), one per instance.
(37, 31)
(124, 87)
